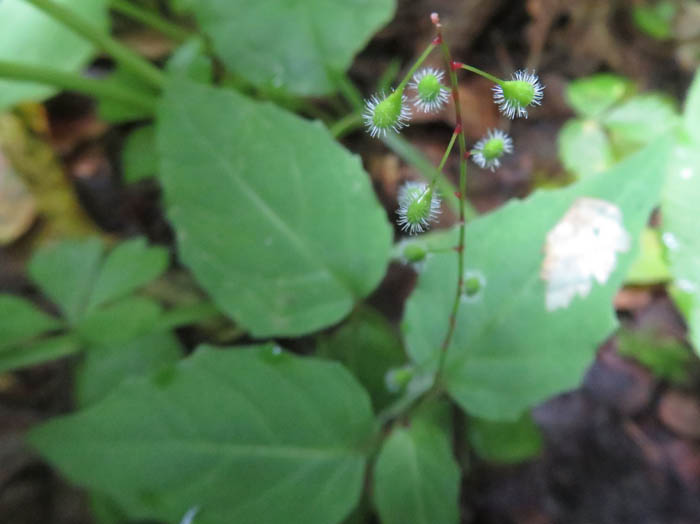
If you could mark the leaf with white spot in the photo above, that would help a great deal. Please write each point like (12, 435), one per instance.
(508, 351)
(583, 246)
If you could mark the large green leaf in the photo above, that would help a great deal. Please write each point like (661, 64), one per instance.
(248, 435)
(277, 221)
(30, 36)
(128, 266)
(105, 366)
(20, 320)
(509, 351)
(416, 478)
(291, 44)
(66, 271)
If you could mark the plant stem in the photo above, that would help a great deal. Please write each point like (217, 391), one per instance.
(349, 91)
(415, 66)
(151, 19)
(486, 75)
(411, 155)
(186, 315)
(123, 55)
(452, 321)
(75, 82)
(445, 155)
(346, 125)
(388, 76)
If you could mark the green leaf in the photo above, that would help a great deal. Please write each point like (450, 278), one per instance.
(182, 6)
(119, 322)
(277, 221)
(291, 45)
(104, 511)
(118, 112)
(666, 357)
(368, 346)
(655, 20)
(34, 38)
(642, 119)
(691, 113)
(190, 60)
(594, 95)
(505, 442)
(678, 212)
(21, 320)
(106, 366)
(584, 148)
(186, 314)
(679, 224)
(248, 435)
(508, 351)
(128, 266)
(416, 478)
(139, 160)
(39, 352)
(65, 272)
(650, 266)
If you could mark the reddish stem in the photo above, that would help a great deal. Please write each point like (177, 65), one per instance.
(453, 66)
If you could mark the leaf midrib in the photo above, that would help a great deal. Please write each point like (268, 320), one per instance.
(207, 447)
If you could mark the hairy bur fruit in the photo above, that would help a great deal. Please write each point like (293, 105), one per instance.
(387, 113)
(431, 95)
(418, 206)
(514, 96)
(488, 151)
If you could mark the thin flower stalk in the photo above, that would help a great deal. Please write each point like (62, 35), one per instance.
(461, 194)
(419, 203)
